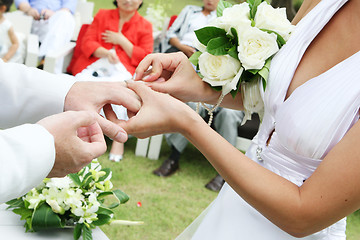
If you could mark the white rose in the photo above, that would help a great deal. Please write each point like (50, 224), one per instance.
(235, 16)
(255, 46)
(220, 71)
(273, 19)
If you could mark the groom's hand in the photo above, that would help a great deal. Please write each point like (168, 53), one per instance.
(78, 139)
(92, 96)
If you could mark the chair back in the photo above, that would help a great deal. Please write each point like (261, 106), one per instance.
(21, 22)
(77, 50)
(83, 15)
(85, 9)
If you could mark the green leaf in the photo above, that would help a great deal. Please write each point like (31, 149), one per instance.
(123, 197)
(253, 7)
(45, 218)
(108, 171)
(87, 179)
(221, 6)
(264, 84)
(218, 46)
(86, 233)
(233, 52)
(264, 72)
(235, 35)
(120, 197)
(194, 59)
(204, 35)
(233, 93)
(279, 39)
(75, 178)
(24, 213)
(15, 203)
(102, 219)
(103, 210)
(77, 230)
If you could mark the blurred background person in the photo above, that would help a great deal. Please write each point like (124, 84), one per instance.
(112, 47)
(10, 50)
(54, 24)
(181, 35)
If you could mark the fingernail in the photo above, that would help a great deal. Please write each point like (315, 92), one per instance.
(134, 76)
(146, 77)
(121, 137)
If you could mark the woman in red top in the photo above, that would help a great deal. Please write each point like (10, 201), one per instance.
(112, 47)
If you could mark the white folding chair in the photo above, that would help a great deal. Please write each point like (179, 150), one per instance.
(83, 14)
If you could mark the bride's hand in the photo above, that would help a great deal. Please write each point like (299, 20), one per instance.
(173, 73)
(159, 113)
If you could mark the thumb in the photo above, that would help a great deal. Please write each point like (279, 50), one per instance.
(141, 89)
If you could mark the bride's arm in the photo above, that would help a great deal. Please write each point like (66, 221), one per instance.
(330, 194)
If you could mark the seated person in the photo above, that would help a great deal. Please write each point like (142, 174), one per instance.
(181, 35)
(226, 122)
(54, 23)
(112, 47)
(11, 50)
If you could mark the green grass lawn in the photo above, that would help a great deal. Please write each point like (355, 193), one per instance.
(168, 204)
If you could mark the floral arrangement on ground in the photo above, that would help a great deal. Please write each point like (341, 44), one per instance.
(82, 201)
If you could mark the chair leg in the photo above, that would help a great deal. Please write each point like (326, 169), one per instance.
(142, 147)
(155, 147)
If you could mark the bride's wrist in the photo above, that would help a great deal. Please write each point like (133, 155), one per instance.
(188, 122)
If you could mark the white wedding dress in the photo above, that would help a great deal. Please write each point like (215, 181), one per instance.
(307, 125)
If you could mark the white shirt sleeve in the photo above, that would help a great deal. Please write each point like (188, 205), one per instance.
(29, 94)
(27, 154)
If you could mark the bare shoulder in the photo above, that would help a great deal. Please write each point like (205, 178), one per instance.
(305, 8)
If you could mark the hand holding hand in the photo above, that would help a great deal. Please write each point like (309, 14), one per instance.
(47, 13)
(92, 96)
(159, 113)
(78, 139)
(34, 13)
(173, 73)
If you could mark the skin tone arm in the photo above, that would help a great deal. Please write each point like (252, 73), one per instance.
(117, 38)
(14, 45)
(26, 8)
(182, 47)
(331, 193)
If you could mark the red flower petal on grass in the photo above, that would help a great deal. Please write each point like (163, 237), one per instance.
(138, 204)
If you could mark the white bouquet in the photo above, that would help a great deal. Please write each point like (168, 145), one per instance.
(77, 200)
(236, 49)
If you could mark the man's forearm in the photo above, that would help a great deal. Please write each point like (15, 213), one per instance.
(24, 6)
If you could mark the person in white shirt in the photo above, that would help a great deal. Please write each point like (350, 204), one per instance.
(35, 145)
(181, 34)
